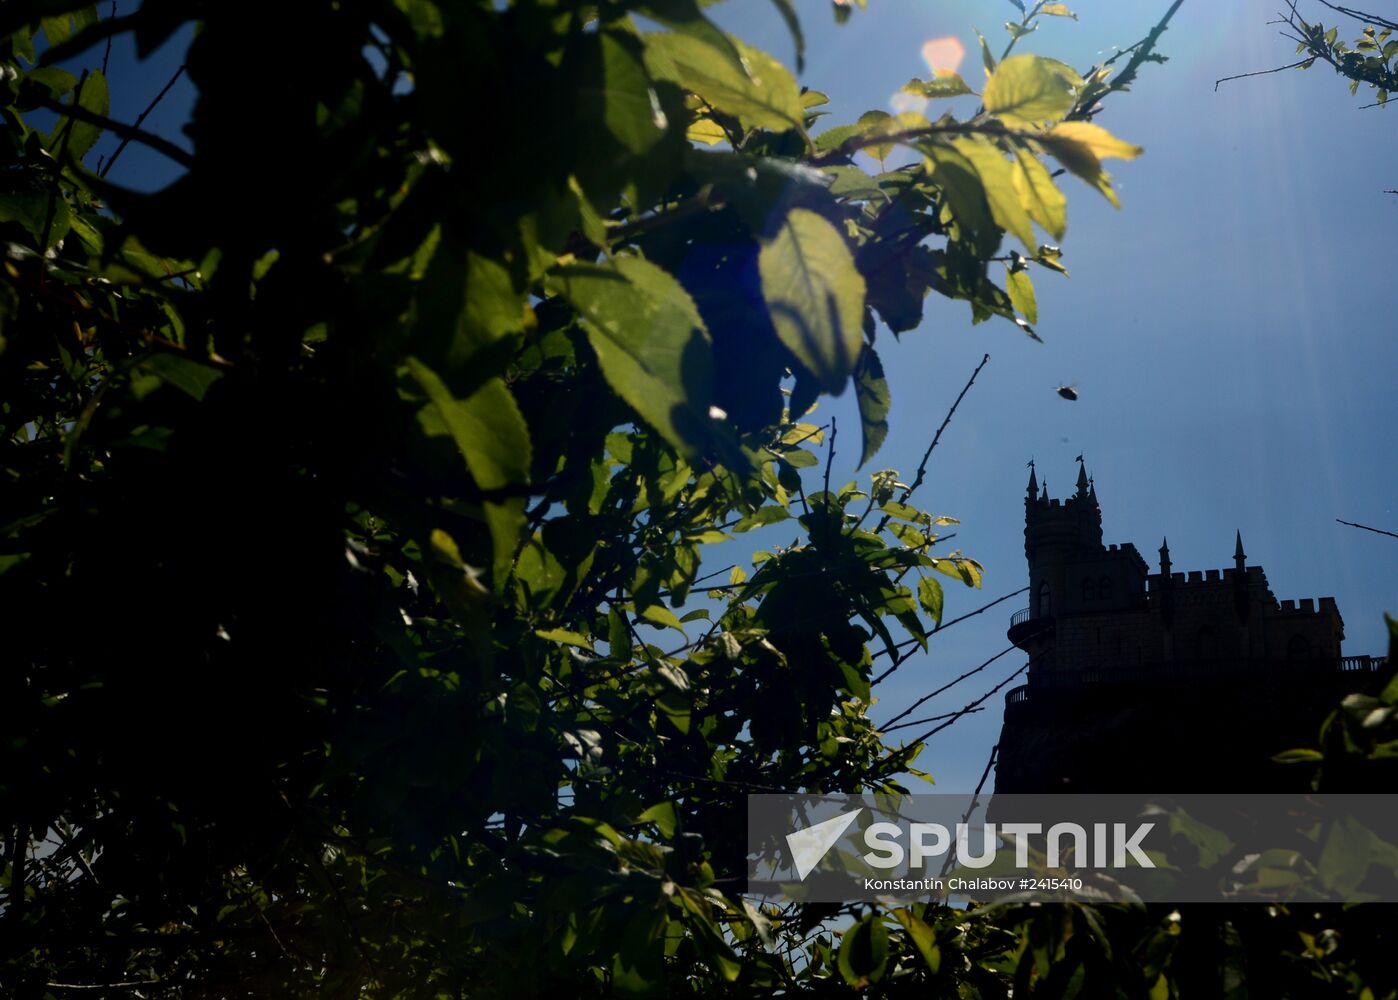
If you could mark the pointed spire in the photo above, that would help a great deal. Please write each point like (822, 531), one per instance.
(1044, 496)
(1092, 489)
(1165, 557)
(1082, 478)
(1033, 482)
(1239, 556)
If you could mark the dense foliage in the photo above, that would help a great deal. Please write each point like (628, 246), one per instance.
(359, 640)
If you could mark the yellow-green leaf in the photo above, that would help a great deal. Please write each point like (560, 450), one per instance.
(566, 637)
(815, 295)
(1102, 143)
(1030, 88)
(1039, 194)
(1057, 10)
(997, 178)
(922, 937)
(650, 341)
(494, 439)
(1021, 291)
(1081, 146)
(765, 97)
(707, 131)
(942, 85)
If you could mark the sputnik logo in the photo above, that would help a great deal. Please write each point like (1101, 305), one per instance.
(808, 846)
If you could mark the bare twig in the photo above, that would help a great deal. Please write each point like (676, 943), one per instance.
(965, 711)
(975, 801)
(1360, 15)
(134, 133)
(927, 455)
(933, 631)
(127, 132)
(1351, 524)
(1262, 72)
(107, 52)
(930, 718)
(889, 725)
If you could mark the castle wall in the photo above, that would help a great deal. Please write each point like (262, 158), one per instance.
(1165, 681)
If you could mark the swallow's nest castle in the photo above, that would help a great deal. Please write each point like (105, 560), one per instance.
(1159, 682)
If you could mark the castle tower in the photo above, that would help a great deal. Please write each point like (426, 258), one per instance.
(1123, 663)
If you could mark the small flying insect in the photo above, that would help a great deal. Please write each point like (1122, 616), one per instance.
(1068, 392)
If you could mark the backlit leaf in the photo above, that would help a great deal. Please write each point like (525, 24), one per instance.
(766, 96)
(650, 342)
(1028, 88)
(815, 295)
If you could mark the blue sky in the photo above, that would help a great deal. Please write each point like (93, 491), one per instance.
(1228, 329)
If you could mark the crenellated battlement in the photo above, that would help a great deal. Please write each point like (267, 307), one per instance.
(1121, 657)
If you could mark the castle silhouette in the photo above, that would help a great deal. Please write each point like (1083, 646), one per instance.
(1160, 682)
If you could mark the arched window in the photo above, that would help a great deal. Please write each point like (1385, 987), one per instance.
(1045, 601)
(1298, 647)
(1206, 644)
(1104, 589)
(1089, 590)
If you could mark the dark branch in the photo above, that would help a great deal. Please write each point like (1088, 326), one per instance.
(1262, 72)
(1351, 524)
(142, 117)
(128, 132)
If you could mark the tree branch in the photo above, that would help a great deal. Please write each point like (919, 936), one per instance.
(129, 132)
(1262, 72)
(1351, 524)
(140, 118)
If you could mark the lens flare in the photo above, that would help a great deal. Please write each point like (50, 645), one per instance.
(943, 55)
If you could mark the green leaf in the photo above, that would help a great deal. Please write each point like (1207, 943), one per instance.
(764, 97)
(923, 938)
(662, 617)
(941, 85)
(31, 210)
(929, 595)
(864, 952)
(760, 517)
(493, 438)
(787, 10)
(853, 183)
(997, 178)
(630, 111)
(815, 295)
(58, 29)
(1081, 147)
(83, 136)
(1039, 195)
(1300, 755)
(467, 307)
(987, 59)
(1021, 292)
(566, 637)
(187, 375)
(650, 341)
(57, 81)
(1031, 89)
(871, 393)
(665, 817)
(964, 194)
